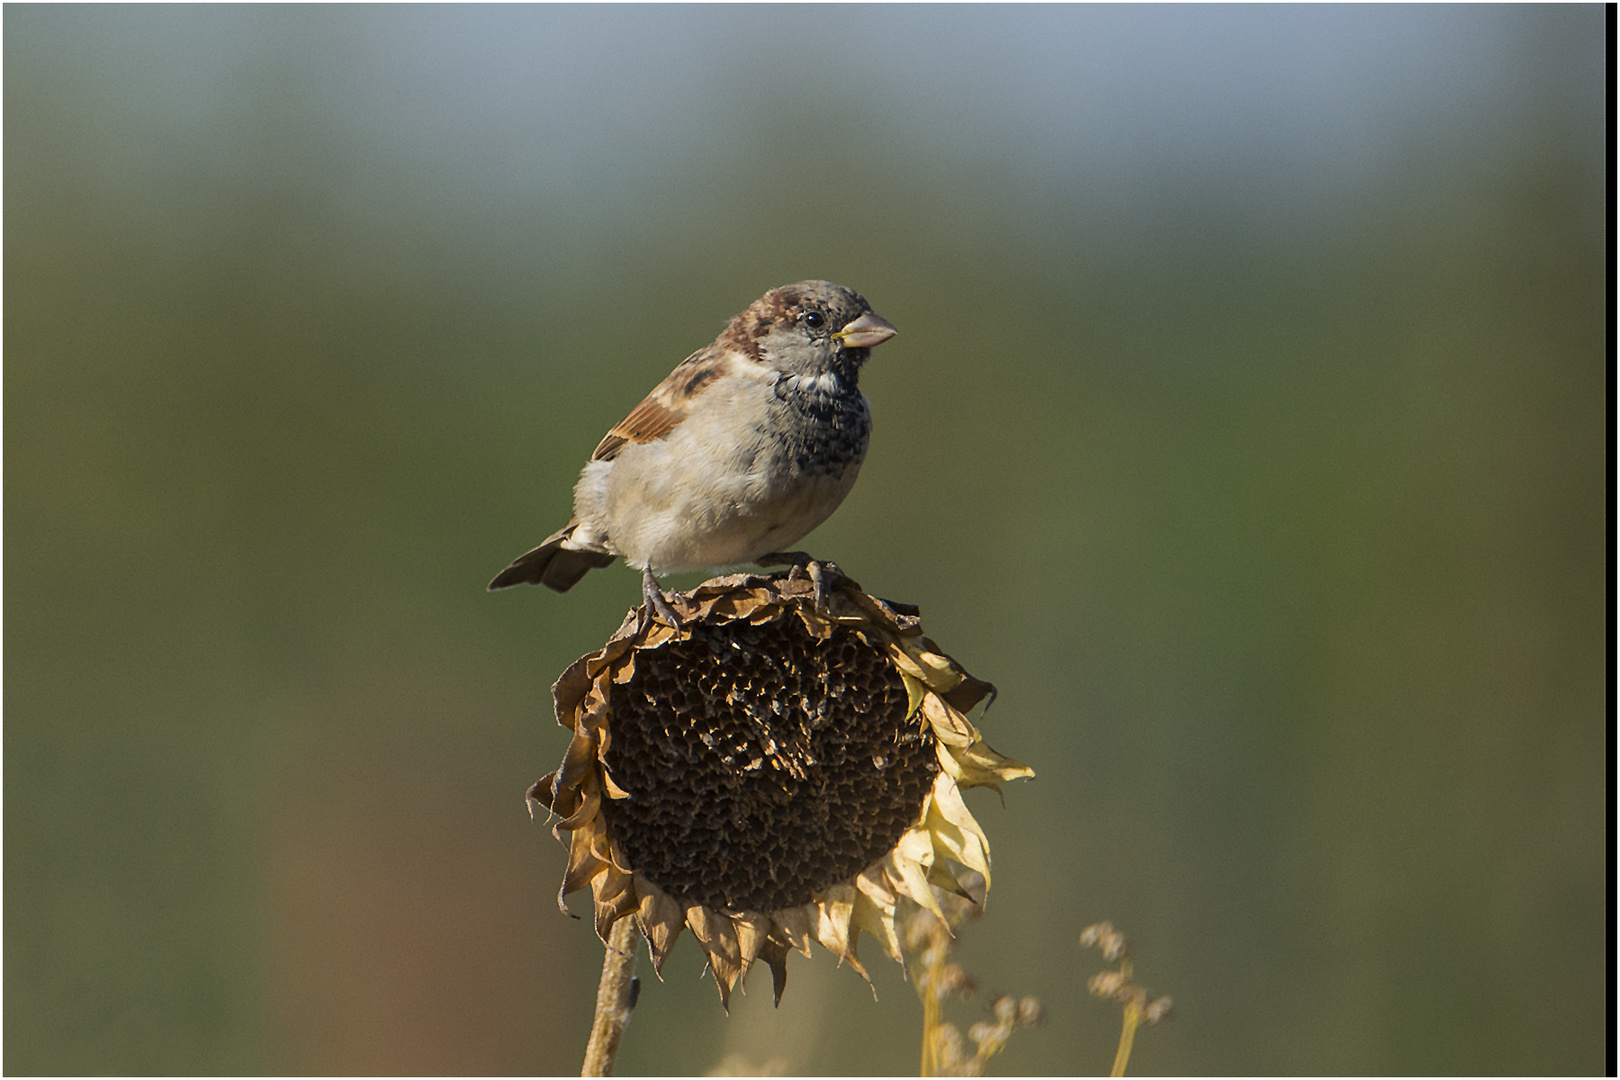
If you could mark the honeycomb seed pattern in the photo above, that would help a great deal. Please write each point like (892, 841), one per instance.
(762, 764)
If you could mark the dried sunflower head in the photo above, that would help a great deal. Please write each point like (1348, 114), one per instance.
(770, 774)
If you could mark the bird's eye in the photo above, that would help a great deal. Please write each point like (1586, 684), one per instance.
(814, 319)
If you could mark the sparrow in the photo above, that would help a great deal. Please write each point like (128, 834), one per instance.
(748, 445)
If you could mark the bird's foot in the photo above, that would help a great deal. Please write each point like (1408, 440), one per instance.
(823, 575)
(656, 603)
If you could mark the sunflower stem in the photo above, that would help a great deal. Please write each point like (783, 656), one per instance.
(615, 997)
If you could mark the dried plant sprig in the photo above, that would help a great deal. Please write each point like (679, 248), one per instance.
(1117, 985)
(929, 937)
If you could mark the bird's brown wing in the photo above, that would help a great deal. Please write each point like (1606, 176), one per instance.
(666, 406)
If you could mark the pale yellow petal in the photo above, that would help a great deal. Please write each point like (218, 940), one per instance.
(954, 830)
(908, 865)
(950, 727)
(916, 689)
(834, 912)
(874, 911)
(661, 920)
(797, 926)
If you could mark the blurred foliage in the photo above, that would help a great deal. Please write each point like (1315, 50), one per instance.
(1282, 531)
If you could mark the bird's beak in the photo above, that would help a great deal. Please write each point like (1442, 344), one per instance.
(868, 330)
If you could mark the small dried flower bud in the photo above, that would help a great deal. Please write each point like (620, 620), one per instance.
(955, 979)
(1030, 1011)
(985, 1032)
(1005, 1009)
(1092, 934)
(1156, 1011)
(951, 1049)
(1113, 946)
(1106, 983)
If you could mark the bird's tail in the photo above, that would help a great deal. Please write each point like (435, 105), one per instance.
(553, 564)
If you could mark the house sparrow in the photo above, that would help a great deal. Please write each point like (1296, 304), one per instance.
(749, 444)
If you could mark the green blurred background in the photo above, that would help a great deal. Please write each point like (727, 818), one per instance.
(1246, 426)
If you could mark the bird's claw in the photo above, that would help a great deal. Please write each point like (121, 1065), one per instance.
(823, 574)
(656, 604)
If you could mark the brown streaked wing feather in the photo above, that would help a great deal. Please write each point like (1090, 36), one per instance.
(665, 407)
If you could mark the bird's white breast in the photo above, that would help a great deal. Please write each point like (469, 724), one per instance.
(747, 472)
